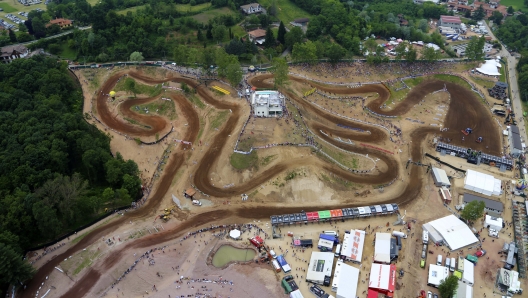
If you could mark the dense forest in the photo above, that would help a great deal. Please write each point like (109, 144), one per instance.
(57, 170)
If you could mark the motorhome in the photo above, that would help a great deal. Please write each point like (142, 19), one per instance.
(425, 237)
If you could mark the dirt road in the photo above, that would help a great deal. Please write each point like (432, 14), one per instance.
(465, 111)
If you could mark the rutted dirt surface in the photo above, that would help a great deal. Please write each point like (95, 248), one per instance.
(465, 111)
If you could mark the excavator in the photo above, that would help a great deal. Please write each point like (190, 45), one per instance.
(166, 213)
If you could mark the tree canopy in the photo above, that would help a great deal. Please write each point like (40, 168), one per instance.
(55, 165)
(279, 68)
(473, 210)
(448, 287)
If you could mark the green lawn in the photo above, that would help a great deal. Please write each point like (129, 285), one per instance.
(131, 9)
(7, 8)
(244, 161)
(516, 4)
(205, 16)
(288, 11)
(67, 52)
(502, 77)
(189, 8)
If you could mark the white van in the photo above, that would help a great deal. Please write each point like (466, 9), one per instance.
(338, 250)
(425, 237)
(439, 260)
(448, 262)
(333, 233)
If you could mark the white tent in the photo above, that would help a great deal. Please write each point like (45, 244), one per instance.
(235, 234)
(464, 290)
(345, 280)
(353, 243)
(493, 223)
(482, 183)
(437, 274)
(382, 248)
(456, 234)
(489, 68)
(468, 274)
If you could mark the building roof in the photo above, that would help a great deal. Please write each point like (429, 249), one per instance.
(60, 21)
(353, 244)
(248, 6)
(464, 290)
(382, 249)
(469, 272)
(301, 20)
(482, 183)
(8, 50)
(257, 33)
(441, 176)
(455, 232)
(190, 192)
(450, 19)
(493, 222)
(490, 204)
(382, 277)
(346, 280)
(437, 274)
(320, 266)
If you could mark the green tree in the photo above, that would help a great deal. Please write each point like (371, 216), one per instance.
(13, 270)
(12, 36)
(234, 73)
(473, 210)
(132, 184)
(479, 14)
(136, 57)
(279, 68)
(281, 35)
(411, 55)
(430, 54)
(130, 86)
(219, 33)
(47, 221)
(371, 45)
(269, 39)
(496, 17)
(294, 36)
(400, 50)
(305, 52)
(335, 52)
(467, 14)
(199, 35)
(448, 287)
(510, 10)
(39, 27)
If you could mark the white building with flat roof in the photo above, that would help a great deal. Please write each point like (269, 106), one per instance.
(382, 248)
(436, 275)
(320, 268)
(352, 248)
(267, 103)
(345, 280)
(450, 230)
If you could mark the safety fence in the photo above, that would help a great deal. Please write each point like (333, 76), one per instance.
(376, 148)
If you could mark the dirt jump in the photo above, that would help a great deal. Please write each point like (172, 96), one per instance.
(465, 111)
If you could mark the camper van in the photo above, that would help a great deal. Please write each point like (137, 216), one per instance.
(399, 234)
(338, 250)
(439, 260)
(425, 237)
(460, 264)
(452, 265)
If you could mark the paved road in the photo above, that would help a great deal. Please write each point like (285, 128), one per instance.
(511, 63)
(55, 36)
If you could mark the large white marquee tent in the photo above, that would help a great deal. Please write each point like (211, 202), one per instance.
(490, 67)
(455, 233)
(482, 183)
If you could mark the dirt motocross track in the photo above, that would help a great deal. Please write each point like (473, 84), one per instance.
(465, 111)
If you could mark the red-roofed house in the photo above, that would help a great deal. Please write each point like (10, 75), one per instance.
(257, 36)
(452, 22)
(63, 23)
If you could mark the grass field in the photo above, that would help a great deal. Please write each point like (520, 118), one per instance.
(244, 161)
(205, 16)
(288, 11)
(131, 9)
(15, 6)
(67, 52)
(516, 4)
(7, 8)
(189, 8)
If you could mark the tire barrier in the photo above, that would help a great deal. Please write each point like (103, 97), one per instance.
(376, 114)
(352, 128)
(445, 163)
(160, 140)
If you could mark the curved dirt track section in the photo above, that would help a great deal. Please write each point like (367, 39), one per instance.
(410, 192)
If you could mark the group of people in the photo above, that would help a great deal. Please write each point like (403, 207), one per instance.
(46, 251)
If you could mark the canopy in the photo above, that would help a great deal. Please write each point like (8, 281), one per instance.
(112, 93)
(489, 68)
(235, 234)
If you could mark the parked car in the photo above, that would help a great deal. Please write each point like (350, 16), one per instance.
(480, 253)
